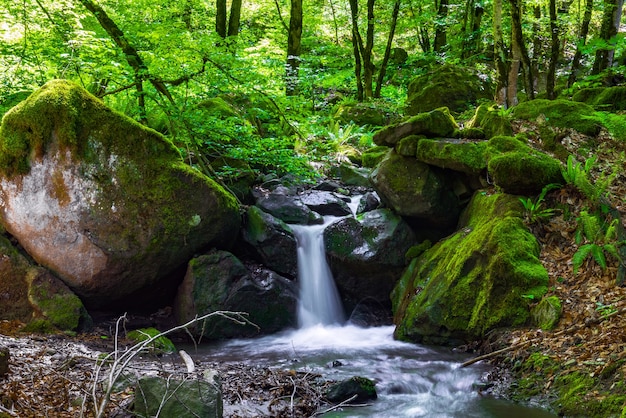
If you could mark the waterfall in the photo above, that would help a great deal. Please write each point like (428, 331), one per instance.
(319, 300)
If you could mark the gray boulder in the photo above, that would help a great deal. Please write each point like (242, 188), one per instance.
(106, 204)
(325, 203)
(288, 207)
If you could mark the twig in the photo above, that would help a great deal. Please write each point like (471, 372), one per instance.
(7, 411)
(293, 394)
(573, 328)
(191, 367)
(339, 405)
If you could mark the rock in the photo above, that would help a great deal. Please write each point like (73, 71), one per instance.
(473, 281)
(407, 146)
(369, 201)
(366, 256)
(416, 190)
(272, 240)
(325, 203)
(361, 387)
(106, 204)
(178, 397)
(159, 345)
(371, 157)
(560, 113)
(362, 113)
(491, 121)
(465, 156)
(328, 186)
(14, 268)
(547, 313)
(218, 281)
(398, 56)
(452, 86)
(5, 358)
(436, 123)
(352, 175)
(519, 169)
(288, 208)
(610, 99)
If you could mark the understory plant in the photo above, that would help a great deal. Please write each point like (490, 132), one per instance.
(595, 239)
(534, 209)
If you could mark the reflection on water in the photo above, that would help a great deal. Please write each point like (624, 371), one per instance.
(411, 380)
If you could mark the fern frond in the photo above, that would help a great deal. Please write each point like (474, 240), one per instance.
(581, 255)
(598, 255)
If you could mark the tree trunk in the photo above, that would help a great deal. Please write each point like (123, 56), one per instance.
(499, 55)
(516, 21)
(234, 18)
(220, 18)
(554, 52)
(293, 48)
(610, 25)
(368, 64)
(440, 27)
(392, 31)
(582, 39)
(514, 68)
(536, 43)
(357, 42)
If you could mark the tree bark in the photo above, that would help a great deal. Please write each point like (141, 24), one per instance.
(582, 39)
(514, 68)
(441, 40)
(500, 57)
(220, 18)
(293, 48)
(357, 43)
(234, 18)
(610, 24)
(368, 64)
(516, 21)
(554, 52)
(392, 31)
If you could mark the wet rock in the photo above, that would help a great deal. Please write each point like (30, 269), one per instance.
(218, 281)
(369, 201)
(178, 397)
(351, 175)
(272, 240)
(325, 203)
(360, 388)
(288, 207)
(4, 361)
(106, 204)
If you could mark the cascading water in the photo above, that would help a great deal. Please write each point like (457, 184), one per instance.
(319, 300)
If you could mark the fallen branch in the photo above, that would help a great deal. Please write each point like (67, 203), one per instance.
(339, 405)
(573, 328)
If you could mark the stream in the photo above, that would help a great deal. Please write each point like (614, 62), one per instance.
(411, 380)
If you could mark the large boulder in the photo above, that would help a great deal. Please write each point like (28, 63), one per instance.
(415, 189)
(461, 155)
(287, 207)
(218, 281)
(452, 86)
(473, 281)
(610, 99)
(436, 123)
(366, 255)
(272, 240)
(560, 113)
(106, 204)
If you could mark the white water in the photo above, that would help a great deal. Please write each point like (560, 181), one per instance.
(319, 301)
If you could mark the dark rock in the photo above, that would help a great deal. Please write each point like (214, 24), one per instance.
(361, 387)
(369, 201)
(325, 203)
(272, 240)
(288, 208)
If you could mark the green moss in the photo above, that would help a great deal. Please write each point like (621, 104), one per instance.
(474, 280)
(373, 156)
(160, 344)
(560, 113)
(417, 250)
(611, 99)
(464, 156)
(547, 313)
(39, 326)
(574, 389)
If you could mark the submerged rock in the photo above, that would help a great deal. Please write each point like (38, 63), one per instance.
(359, 388)
(477, 279)
(106, 204)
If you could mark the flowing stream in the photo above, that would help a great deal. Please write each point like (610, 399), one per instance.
(411, 380)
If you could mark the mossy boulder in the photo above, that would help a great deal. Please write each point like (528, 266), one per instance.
(611, 99)
(160, 343)
(547, 312)
(436, 123)
(363, 388)
(366, 255)
(474, 280)
(14, 268)
(218, 281)
(371, 157)
(407, 146)
(455, 87)
(105, 203)
(560, 113)
(519, 169)
(363, 113)
(491, 120)
(272, 240)
(465, 156)
(352, 175)
(415, 189)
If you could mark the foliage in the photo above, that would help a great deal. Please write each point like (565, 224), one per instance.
(597, 238)
(534, 210)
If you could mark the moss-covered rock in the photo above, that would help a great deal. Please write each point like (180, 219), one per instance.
(371, 157)
(407, 146)
(363, 113)
(363, 388)
(474, 280)
(218, 281)
(160, 343)
(560, 113)
(415, 189)
(491, 120)
(546, 313)
(436, 123)
(610, 99)
(14, 269)
(105, 203)
(455, 87)
(460, 155)
(519, 169)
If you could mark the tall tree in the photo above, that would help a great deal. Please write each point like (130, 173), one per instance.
(610, 25)
(516, 22)
(383, 65)
(441, 30)
(227, 25)
(294, 41)
(554, 52)
(220, 18)
(499, 54)
(364, 67)
(582, 39)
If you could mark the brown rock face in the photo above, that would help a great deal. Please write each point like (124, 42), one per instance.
(105, 203)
